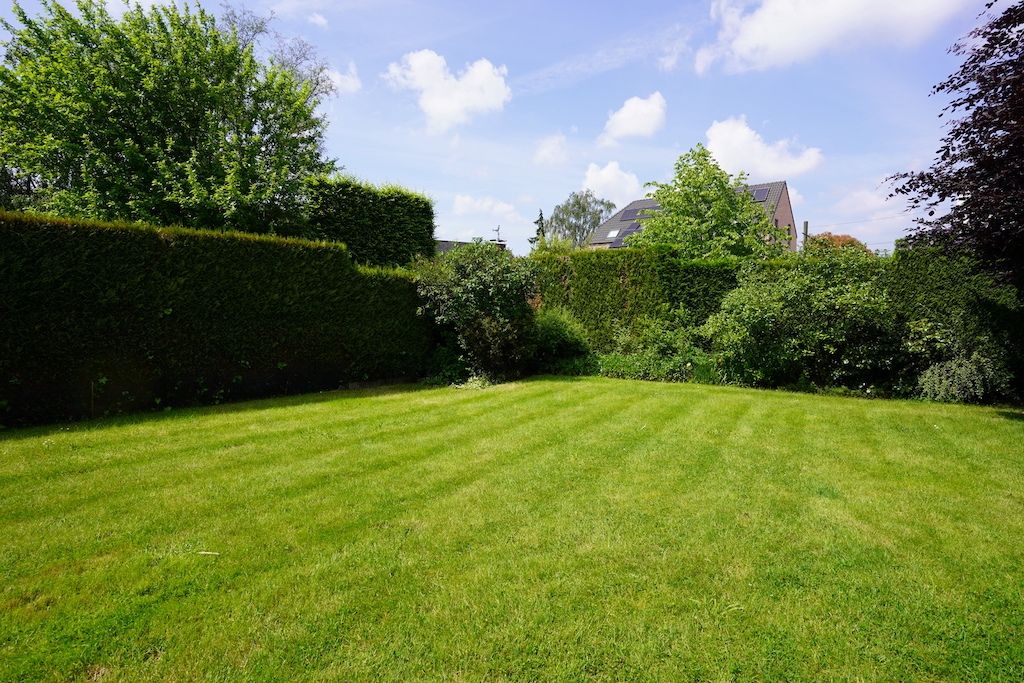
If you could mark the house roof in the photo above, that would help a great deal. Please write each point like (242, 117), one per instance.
(623, 223)
(627, 221)
(442, 246)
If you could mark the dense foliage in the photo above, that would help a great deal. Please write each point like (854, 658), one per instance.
(560, 339)
(974, 190)
(160, 116)
(608, 288)
(950, 309)
(919, 323)
(706, 213)
(826, 240)
(659, 348)
(818, 322)
(101, 318)
(575, 219)
(479, 295)
(386, 225)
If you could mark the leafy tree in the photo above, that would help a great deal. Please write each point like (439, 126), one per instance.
(707, 213)
(161, 116)
(827, 240)
(479, 293)
(553, 245)
(578, 216)
(15, 189)
(974, 190)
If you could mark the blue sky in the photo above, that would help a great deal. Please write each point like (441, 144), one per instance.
(497, 110)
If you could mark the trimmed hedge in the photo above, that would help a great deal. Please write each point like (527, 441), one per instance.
(102, 318)
(925, 284)
(605, 288)
(963, 302)
(381, 226)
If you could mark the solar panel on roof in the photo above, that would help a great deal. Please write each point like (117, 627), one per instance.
(629, 214)
(760, 194)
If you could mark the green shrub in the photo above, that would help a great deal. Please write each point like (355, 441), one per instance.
(966, 379)
(479, 294)
(560, 340)
(102, 318)
(645, 365)
(822, 321)
(384, 226)
(608, 288)
(660, 347)
(950, 308)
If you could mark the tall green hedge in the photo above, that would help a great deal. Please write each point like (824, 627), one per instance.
(604, 288)
(99, 318)
(967, 304)
(382, 226)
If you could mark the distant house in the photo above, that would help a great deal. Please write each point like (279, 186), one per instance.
(774, 197)
(442, 246)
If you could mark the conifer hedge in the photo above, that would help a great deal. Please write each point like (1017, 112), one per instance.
(605, 288)
(381, 226)
(99, 318)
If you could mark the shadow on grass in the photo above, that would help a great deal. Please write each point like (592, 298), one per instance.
(12, 434)
(1012, 414)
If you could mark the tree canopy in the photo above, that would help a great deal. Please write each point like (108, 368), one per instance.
(707, 213)
(160, 115)
(826, 241)
(577, 217)
(974, 191)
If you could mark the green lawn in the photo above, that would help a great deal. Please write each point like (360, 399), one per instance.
(549, 529)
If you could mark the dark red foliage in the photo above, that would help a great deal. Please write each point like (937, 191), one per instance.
(974, 191)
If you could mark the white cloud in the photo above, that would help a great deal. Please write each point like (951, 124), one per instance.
(449, 100)
(738, 147)
(778, 33)
(862, 202)
(795, 198)
(318, 19)
(346, 83)
(638, 117)
(466, 205)
(611, 182)
(481, 215)
(551, 151)
(670, 55)
(868, 214)
(610, 55)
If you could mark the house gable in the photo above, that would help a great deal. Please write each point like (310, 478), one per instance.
(774, 198)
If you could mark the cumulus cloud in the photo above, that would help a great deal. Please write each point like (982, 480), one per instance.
(778, 33)
(738, 147)
(317, 19)
(612, 183)
(638, 117)
(346, 83)
(468, 205)
(551, 151)
(447, 99)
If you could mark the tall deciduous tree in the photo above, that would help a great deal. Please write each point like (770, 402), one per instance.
(161, 116)
(578, 216)
(707, 213)
(825, 241)
(974, 191)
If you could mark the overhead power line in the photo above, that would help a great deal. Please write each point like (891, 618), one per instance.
(866, 220)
